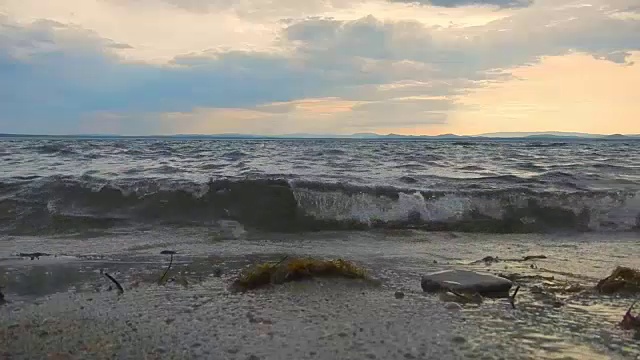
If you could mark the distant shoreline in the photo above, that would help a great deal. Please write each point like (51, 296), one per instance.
(332, 137)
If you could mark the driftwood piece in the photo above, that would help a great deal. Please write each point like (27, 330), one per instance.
(120, 289)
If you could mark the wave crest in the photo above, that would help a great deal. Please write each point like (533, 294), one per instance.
(64, 204)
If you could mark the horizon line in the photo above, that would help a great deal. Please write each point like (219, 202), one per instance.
(505, 134)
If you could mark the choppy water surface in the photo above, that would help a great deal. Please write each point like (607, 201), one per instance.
(56, 186)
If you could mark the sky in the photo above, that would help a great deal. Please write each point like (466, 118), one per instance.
(159, 67)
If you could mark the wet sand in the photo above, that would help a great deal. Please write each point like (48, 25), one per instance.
(60, 306)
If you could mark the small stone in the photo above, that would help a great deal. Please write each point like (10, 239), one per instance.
(399, 295)
(342, 334)
(217, 272)
(43, 334)
(233, 350)
(253, 357)
(459, 339)
(371, 356)
(452, 306)
(409, 356)
(169, 321)
(465, 281)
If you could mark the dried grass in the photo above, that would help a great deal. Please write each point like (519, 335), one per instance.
(622, 279)
(296, 269)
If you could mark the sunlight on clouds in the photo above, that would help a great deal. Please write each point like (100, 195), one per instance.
(319, 66)
(309, 115)
(158, 30)
(562, 93)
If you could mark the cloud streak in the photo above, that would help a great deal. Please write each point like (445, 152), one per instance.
(458, 3)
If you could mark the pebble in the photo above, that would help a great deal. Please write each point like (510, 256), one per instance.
(459, 339)
(399, 295)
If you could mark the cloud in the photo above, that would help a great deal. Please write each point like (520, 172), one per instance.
(316, 73)
(457, 3)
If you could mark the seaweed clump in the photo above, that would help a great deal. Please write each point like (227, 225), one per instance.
(622, 279)
(295, 270)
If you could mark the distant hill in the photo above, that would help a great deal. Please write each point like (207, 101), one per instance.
(551, 135)
(545, 134)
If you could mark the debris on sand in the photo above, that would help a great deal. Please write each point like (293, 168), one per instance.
(113, 280)
(630, 322)
(515, 277)
(622, 279)
(466, 281)
(461, 298)
(33, 256)
(545, 296)
(296, 269)
(488, 260)
(512, 298)
(171, 253)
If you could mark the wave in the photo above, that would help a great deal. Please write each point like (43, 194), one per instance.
(68, 204)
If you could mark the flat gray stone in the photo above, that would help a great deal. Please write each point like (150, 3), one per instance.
(466, 281)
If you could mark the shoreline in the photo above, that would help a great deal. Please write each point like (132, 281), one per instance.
(318, 319)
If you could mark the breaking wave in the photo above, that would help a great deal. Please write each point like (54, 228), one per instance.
(67, 204)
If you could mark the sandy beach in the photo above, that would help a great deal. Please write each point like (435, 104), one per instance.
(60, 306)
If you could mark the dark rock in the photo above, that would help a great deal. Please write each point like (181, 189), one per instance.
(466, 281)
(399, 295)
(459, 339)
(217, 272)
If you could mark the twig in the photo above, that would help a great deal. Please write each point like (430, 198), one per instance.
(631, 307)
(281, 261)
(120, 289)
(512, 298)
(166, 271)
